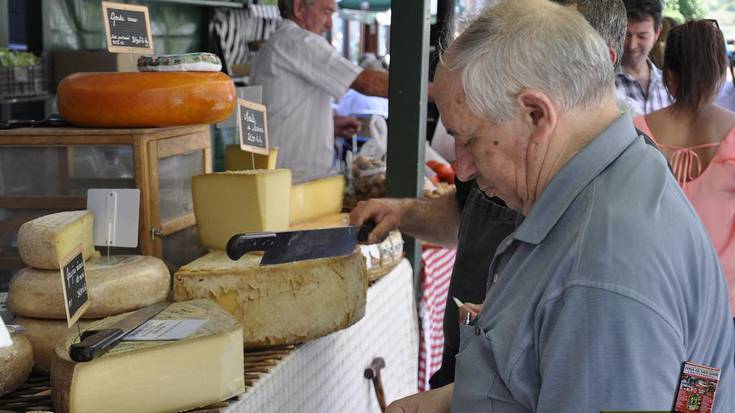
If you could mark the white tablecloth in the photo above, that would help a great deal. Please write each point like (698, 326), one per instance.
(326, 375)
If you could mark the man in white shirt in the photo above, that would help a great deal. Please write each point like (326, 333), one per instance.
(301, 73)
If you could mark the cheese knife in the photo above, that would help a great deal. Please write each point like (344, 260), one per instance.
(95, 343)
(291, 246)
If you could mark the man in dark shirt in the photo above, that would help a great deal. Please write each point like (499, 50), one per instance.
(468, 219)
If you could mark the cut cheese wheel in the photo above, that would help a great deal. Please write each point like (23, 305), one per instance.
(229, 203)
(114, 285)
(16, 363)
(317, 198)
(155, 376)
(44, 241)
(43, 335)
(121, 100)
(279, 304)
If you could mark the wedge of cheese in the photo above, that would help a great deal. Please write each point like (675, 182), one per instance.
(44, 241)
(114, 285)
(155, 376)
(279, 304)
(317, 198)
(16, 363)
(238, 160)
(229, 203)
(43, 335)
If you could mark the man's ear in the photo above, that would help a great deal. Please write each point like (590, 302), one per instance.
(538, 113)
(613, 55)
(299, 9)
(658, 32)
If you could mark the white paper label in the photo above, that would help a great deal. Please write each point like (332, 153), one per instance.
(5, 340)
(164, 330)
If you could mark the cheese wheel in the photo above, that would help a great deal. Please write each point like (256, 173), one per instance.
(16, 363)
(115, 285)
(132, 100)
(279, 304)
(43, 335)
(155, 376)
(44, 241)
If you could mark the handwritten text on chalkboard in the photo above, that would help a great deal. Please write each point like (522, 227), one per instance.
(75, 286)
(128, 28)
(253, 125)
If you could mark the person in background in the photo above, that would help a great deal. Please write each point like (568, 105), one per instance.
(657, 53)
(593, 302)
(726, 99)
(470, 220)
(301, 73)
(697, 135)
(638, 78)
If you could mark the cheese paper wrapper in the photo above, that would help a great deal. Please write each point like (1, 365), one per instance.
(5, 340)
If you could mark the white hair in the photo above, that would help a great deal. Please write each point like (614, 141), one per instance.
(286, 7)
(531, 44)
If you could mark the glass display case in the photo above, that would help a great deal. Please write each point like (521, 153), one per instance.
(46, 170)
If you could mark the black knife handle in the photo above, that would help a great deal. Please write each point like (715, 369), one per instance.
(239, 244)
(367, 227)
(95, 345)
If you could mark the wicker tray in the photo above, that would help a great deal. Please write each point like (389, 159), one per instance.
(22, 81)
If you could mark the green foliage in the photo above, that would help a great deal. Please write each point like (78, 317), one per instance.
(684, 9)
(16, 59)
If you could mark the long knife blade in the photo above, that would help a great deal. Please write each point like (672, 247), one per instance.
(293, 246)
(96, 342)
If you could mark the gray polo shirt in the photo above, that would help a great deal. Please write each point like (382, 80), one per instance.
(600, 295)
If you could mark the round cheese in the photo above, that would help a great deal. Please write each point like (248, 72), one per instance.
(146, 99)
(46, 240)
(114, 285)
(16, 363)
(43, 335)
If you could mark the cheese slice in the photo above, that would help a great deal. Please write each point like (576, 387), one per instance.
(16, 363)
(43, 335)
(115, 285)
(44, 241)
(155, 376)
(317, 198)
(229, 203)
(279, 304)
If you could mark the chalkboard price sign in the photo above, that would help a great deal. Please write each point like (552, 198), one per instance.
(128, 28)
(252, 123)
(74, 285)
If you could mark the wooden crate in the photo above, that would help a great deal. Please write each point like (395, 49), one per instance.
(43, 170)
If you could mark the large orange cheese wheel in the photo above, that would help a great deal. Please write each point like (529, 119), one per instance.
(151, 99)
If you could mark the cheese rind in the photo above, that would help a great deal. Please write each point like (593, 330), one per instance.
(115, 285)
(279, 304)
(155, 376)
(317, 198)
(229, 203)
(43, 335)
(44, 241)
(16, 363)
(135, 100)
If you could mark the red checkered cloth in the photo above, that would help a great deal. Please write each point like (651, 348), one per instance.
(437, 269)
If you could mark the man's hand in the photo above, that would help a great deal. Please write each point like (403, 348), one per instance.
(345, 126)
(386, 212)
(469, 309)
(433, 401)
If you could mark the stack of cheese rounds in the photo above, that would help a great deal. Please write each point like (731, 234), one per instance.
(115, 284)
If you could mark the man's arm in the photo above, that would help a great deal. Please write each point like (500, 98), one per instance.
(433, 401)
(375, 83)
(435, 220)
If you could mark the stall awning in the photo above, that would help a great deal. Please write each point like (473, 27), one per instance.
(365, 5)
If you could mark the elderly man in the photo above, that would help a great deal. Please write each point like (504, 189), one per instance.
(596, 300)
(301, 73)
(470, 220)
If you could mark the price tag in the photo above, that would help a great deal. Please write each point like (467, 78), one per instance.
(74, 285)
(252, 124)
(128, 28)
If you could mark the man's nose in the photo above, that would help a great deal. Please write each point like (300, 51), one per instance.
(464, 166)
